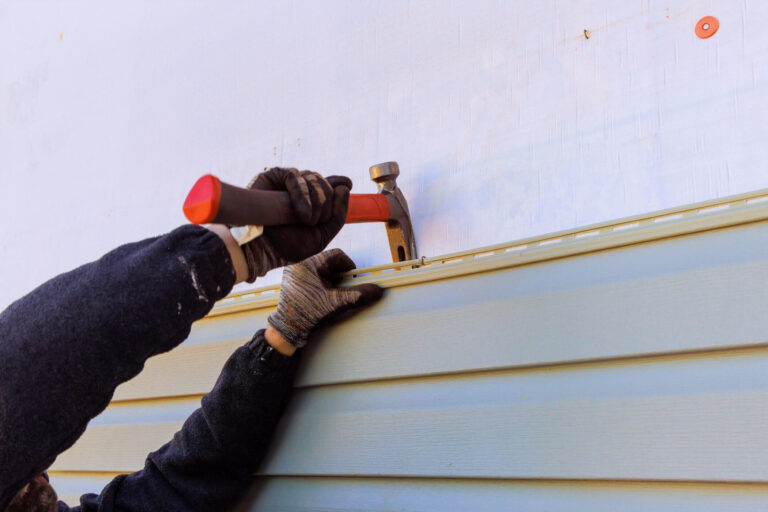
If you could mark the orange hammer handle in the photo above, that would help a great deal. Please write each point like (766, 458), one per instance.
(367, 208)
(212, 201)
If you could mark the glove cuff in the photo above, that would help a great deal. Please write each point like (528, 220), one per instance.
(266, 354)
(260, 258)
(296, 337)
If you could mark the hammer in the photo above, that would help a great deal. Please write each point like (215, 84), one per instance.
(213, 201)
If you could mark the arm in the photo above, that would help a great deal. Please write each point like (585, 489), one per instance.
(69, 343)
(209, 463)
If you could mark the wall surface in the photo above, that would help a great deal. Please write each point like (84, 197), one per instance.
(507, 120)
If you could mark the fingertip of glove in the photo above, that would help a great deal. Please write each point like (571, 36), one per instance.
(335, 252)
(369, 293)
(332, 263)
(337, 181)
(341, 190)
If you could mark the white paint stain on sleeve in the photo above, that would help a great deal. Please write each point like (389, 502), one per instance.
(195, 282)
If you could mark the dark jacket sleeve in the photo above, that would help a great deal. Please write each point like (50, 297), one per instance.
(210, 462)
(67, 345)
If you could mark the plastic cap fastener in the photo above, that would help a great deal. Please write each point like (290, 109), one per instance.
(707, 26)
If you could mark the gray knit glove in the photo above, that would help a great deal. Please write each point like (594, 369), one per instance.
(319, 203)
(308, 295)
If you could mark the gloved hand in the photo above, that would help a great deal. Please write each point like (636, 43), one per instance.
(308, 295)
(321, 205)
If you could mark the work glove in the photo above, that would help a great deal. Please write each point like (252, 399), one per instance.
(308, 295)
(36, 496)
(319, 203)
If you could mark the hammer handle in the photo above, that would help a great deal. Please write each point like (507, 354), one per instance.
(213, 201)
(367, 208)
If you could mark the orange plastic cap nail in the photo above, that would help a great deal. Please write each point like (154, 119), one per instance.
(707, 26)
(202, 203)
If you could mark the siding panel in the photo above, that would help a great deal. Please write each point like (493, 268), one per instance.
(694, 417)
(631, 377)
(699, 418)
(450, 495)
(70, 486)
(617, 303)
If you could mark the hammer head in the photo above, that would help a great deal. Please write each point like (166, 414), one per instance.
(402, 243)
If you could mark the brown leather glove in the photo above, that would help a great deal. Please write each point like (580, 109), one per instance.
(308, 295)
(321, 205)
(36, 496)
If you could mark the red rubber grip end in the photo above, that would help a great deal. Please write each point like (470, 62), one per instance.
(202, 203)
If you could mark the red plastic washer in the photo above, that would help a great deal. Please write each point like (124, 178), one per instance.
(707, 27)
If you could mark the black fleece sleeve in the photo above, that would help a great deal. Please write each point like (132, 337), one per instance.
(67, 345)
(210, 463)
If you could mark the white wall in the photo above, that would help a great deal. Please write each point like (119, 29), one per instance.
(505, 119)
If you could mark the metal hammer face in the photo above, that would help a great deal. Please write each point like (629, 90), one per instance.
(402, 243)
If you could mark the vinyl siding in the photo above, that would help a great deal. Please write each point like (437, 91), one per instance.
(625, 369)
